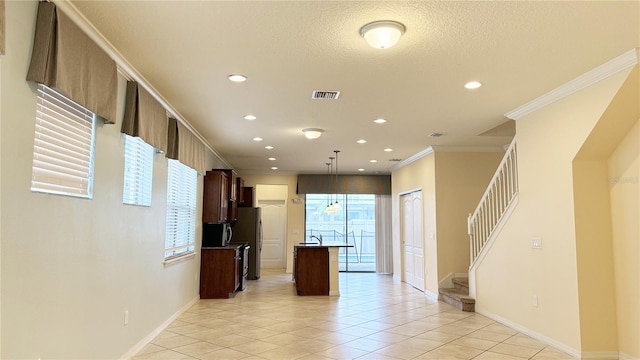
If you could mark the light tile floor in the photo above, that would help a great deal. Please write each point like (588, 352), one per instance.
(374, 318)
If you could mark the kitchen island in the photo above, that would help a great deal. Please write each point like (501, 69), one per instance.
(315, 269)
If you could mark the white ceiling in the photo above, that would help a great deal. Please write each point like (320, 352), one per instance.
(287, 49)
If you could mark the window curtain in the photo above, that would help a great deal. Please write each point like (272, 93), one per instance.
(144, 117)
(185, 147)
(384, 248)
(66, 59)
(2, 27)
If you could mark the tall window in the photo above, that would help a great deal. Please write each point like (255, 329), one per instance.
(354, 224)
(181, 210)
(63, 147)
(138, 171)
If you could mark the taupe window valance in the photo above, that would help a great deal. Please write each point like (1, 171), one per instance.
(144, 117)
(66, 59)
(185, 147)
(346, 184)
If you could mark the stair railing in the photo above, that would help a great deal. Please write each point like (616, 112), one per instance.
(501, 191)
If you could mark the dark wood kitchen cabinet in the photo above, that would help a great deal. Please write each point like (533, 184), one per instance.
(219, 272)
(220, 196)
(311, 270)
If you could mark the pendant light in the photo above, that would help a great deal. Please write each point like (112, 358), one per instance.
(336, 205)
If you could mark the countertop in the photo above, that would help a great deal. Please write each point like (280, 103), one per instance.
(325, 244)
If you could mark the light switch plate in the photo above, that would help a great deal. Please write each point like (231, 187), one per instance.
(536, 243)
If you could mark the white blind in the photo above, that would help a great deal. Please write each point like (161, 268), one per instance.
(138, 171)
(63, 146)
(181, 210)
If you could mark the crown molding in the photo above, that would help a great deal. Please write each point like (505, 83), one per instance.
(127, 70)
(412, 158)
(611, 67)
(447, 148)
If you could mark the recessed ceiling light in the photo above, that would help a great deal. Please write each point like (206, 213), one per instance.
(373, 161)
(361, 169)
(274, 168)
(257, 138)
(269, 147)
(388, 149)
(362, 141)
(473, 85)
(380, 121)
(272, 159)
(237, 78)
(250, 117)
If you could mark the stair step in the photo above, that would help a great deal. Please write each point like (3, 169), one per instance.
(458, 299)
(461, 284)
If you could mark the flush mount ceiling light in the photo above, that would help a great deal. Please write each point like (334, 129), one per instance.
(237, 78)
(250, 117)
(380, 121)
(472, 85)
(388, 149)
(382, 34)
(362, 141)
(269, 147)
(272, 159)
(257, 138)
(312, 133)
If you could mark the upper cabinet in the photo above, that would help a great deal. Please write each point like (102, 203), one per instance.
(220, 196)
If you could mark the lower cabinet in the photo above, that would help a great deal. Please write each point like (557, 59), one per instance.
(311, 270)
(219, 272)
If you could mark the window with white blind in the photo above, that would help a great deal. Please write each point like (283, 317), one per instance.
(138, 171)
(63, 147)
(181, 210)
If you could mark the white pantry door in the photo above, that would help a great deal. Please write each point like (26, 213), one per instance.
(274, 225)
(412, 239)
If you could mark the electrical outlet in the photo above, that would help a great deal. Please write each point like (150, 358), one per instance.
(534, 301)
(126, 317)
(536, 243)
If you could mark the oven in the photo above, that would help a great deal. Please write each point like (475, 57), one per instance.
(243, 269)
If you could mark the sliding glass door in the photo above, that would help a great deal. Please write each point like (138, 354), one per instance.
(352, 222)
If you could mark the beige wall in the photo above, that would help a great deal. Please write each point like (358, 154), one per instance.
(461, 179)
(548, 141)
(452, 184)
(624, 173)
(72, 266)
(295, 212)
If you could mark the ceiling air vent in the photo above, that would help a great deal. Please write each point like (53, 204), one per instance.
(436, 134)
(330, 95)
(395, 160)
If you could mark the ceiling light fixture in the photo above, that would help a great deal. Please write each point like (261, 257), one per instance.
(257, 138)
(312, 133)
(380, 121)
(472, 85)
(250, 117)
(362, 141)
(272, 159)
(237, 78)
(274, 168)
(269, 147)
(373, 161)
(382, 34)
(388, 149)
(361, 169)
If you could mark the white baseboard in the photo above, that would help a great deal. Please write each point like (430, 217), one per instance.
(431, 295)
(623, 356)
(542, 338)
(147, 339)
(600, 355)
(447, 282)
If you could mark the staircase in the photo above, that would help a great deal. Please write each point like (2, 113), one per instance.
(458, 296)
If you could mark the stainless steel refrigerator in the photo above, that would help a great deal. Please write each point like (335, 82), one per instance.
(248, 229)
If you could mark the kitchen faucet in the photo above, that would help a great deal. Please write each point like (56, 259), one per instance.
(317, 238)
